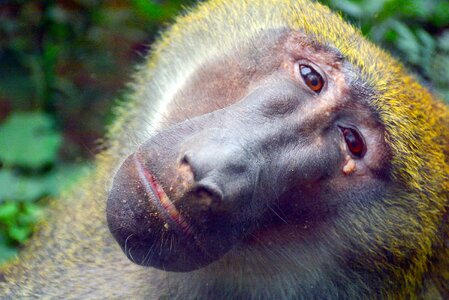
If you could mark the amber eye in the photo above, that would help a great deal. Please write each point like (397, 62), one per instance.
(311, 78)
(354, 141)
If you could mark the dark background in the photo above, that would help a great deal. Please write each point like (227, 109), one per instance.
(64, 63)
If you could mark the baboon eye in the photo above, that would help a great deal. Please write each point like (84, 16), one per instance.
(311, 78)
(354, 141)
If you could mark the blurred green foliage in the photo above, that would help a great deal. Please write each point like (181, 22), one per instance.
(62, 62)
(30, 171)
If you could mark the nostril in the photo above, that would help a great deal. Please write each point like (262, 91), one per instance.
(207, 196)
(185, 159)
(204, 162)
(208, 190)
(187, 165)
(185, 173)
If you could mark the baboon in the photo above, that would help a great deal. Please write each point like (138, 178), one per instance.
(267, 151)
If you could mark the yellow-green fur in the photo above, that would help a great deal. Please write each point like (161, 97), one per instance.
(73, 253)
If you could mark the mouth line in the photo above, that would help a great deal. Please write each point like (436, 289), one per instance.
(161, 200)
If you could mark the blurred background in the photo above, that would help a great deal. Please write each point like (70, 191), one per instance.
(64, 63)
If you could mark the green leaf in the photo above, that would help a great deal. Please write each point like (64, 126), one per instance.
(8, 211)
(407, 42)
(30, 215)
(19, 188)
(152, 10)
(440, 16)
(63, 177)
(28, 140)
(428, 46)
(15, 187)
(19, 233)
(349, 8)
(415, 9)
(439, 66)
(443, 41)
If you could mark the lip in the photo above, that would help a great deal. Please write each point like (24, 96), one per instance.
(160, 199)
(161, 219)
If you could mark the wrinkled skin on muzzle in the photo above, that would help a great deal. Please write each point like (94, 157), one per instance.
(194, 190)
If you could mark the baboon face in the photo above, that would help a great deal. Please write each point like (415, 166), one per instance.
(275, 144)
